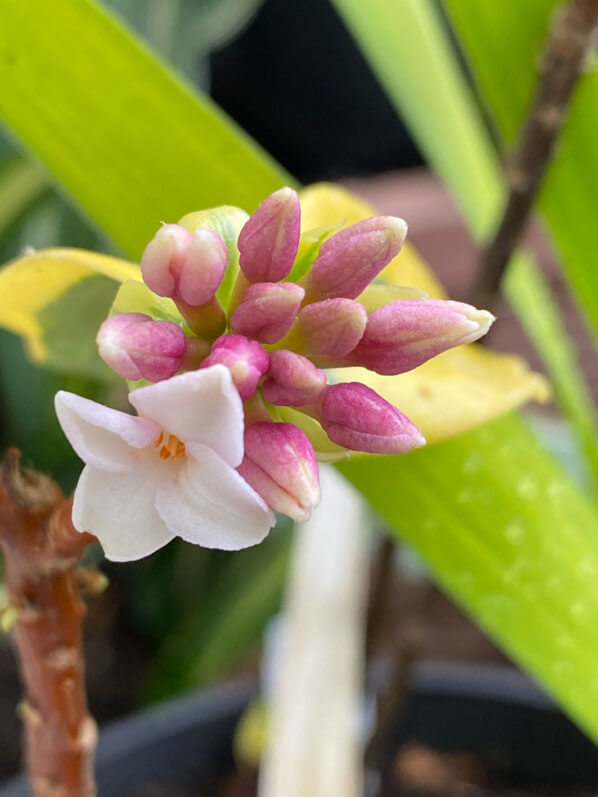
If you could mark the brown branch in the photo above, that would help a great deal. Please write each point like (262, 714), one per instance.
(569, 42)
(402, 654)
(380, 593)
(41, 549)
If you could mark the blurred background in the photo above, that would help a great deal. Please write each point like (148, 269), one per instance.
(187, 617)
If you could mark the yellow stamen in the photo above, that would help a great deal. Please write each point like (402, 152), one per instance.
(170, 448)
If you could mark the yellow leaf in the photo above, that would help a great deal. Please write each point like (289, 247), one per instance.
(456, 391)
(324, 448)
(325, 204)
(379, 294)
(56, 299)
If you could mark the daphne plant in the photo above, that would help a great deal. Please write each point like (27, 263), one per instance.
(235, 333)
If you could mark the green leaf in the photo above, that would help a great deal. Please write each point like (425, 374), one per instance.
(27, 415)
(412, 55)
(227, 222)
(213, 634)
(309, 246)
(134, 296)
(56, 299)
(511, 539)
(133, 169)
(21, 184)
(506, 76)
(489, 511)
(529, 294)
(69, 336)
(129, 140)
(407, 48)
(456, 391)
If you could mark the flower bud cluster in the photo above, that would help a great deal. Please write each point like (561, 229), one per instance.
(281, 339)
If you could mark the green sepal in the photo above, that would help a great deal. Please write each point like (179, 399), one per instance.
(309, 246)
(227, 221)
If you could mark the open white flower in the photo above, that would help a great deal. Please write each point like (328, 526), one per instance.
(170, 472)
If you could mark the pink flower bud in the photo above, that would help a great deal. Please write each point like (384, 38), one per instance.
(293, 380)
(203, 267)
(163, 258)
(267, 310)
(269, 240)
(280, 465)
(184, 266)
(245, 359)
(406, 333)
(356, 417)
(332, 328)
(350, 259)
(137, 347)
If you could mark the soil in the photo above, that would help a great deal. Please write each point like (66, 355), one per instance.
(418, 771)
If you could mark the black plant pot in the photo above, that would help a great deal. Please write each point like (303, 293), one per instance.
(488, 711)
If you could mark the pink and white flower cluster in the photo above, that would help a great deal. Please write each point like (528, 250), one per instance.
(208, 457)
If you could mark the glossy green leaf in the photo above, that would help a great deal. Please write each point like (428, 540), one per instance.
(529, 294)
(506, 76)
(406, 46)
(129, 140)
(21, 184)
(132, 169)
(511, 539)
(27, 415)
(409, 48)
(489, 511)
(56, 300)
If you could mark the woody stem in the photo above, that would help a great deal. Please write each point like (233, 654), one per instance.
(570, 39)
(41, 549)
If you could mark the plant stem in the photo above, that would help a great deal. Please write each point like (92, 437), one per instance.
(389, 703)
(380, 592)
(403, 653)
(568, 45)
(41, 549)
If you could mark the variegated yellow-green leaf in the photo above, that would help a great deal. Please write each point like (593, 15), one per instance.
(456, 391)
(56, 299)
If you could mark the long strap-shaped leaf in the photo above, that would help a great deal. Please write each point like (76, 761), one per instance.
(510, 538)
(95, 129)
(409, 49)
(506, 75)
(21, 184)
(507, 80)
(126, 138)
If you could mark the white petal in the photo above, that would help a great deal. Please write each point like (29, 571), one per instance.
(103, 437)
(119, 510)
(198, 406)
(210, 504)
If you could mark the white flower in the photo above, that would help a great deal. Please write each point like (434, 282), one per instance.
(170, 472)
